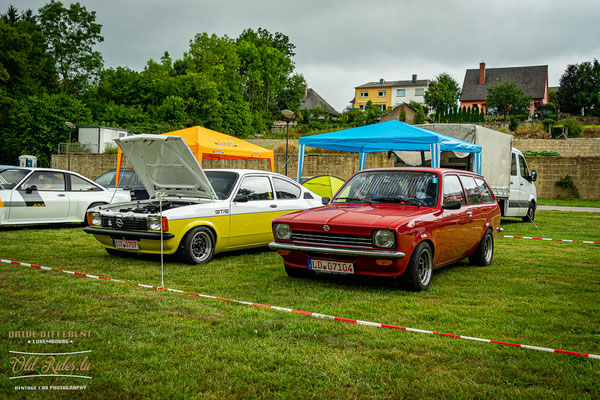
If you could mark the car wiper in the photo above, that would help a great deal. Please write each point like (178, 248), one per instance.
(401, 200)
(352, 200)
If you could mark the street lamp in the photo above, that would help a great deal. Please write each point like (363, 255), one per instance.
(70, 125)
(287, 116)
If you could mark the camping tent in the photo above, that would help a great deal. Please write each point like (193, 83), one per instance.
(324, 185)
(208, 144)
(387, 136)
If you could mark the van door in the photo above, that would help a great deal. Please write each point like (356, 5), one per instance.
(518, 201)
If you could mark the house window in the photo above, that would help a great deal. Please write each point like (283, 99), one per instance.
(401, 92)
(419, 92)
(362, 107)
(382, 107)
(382, 93)
(364, 93)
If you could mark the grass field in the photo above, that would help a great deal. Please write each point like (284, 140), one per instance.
(157, 344)
(569, 202)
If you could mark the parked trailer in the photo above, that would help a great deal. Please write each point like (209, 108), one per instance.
(503, 166)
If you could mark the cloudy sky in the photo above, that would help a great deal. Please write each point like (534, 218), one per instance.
(343, 44)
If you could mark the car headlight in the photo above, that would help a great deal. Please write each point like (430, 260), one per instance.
(282, 231)
(153, 223)
(384, 238)
(95, 219)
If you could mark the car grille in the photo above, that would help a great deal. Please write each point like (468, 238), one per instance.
(332, 239)
(128, 223)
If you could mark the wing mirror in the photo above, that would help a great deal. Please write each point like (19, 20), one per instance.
(325, 200)
(30, 189)
(533, 176)
(240, 198)
(451, 205)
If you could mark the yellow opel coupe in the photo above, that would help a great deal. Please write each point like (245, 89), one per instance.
(194, 213)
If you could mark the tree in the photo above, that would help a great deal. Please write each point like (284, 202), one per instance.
(507, 99)
(36, 125)
(579, 90)
(71, 34)
(25, 66)
(442, 93)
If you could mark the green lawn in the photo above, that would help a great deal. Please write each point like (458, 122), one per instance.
(157, 344)
(569, 202)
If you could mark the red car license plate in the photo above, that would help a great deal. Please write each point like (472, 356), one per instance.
(126, 244)
(331, 266)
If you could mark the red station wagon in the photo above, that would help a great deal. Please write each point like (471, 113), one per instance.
(393, 222)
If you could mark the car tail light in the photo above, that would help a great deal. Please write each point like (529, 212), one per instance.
(165, 224)
(383, 262)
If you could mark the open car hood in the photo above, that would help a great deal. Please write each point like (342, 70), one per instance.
(166, 164)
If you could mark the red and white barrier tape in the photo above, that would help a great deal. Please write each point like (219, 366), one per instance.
(312, 314)
(549, 239)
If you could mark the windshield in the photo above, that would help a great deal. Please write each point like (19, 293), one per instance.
(222, 182)
(10, 177)
(393, 187)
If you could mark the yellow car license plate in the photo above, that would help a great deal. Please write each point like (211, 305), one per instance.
(126, 244)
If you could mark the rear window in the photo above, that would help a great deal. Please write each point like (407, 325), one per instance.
(485, 190)
(473, 195)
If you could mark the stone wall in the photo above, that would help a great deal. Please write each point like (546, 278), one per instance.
(566, 148)
(585, 171)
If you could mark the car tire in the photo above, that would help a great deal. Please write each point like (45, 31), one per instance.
(419, 270)
(198, 246)
(294, 272)
(484, 254)
(85, 222)
(530, 216)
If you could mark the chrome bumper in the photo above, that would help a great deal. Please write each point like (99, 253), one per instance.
(335, 250)
(115, 233)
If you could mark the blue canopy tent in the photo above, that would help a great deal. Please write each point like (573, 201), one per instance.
(387, 136)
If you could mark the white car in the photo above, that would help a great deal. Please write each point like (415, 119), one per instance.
(203, 212)
(44, 195)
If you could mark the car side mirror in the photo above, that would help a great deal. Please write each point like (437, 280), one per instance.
(240, 198)
(452, 205)
(30, 189)
(533, 176)
(325, 200)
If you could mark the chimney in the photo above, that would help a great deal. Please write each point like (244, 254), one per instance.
(381, 80)
(482, 73)
(414, 78)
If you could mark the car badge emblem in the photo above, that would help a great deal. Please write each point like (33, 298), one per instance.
(326, 228)
(119, 222)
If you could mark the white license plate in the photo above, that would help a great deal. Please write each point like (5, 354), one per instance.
(126, 244)
(331, 266)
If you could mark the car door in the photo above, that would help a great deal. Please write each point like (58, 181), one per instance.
(252, 210)
(42, 197)
(82, 193)
(476, 210)
(455, 224)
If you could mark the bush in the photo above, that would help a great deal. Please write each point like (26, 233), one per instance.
(513, 123)
(547, 122)
(541, 153)
(575, 128)
(567, 183)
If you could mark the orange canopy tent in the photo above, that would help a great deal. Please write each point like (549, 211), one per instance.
(206, 143)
